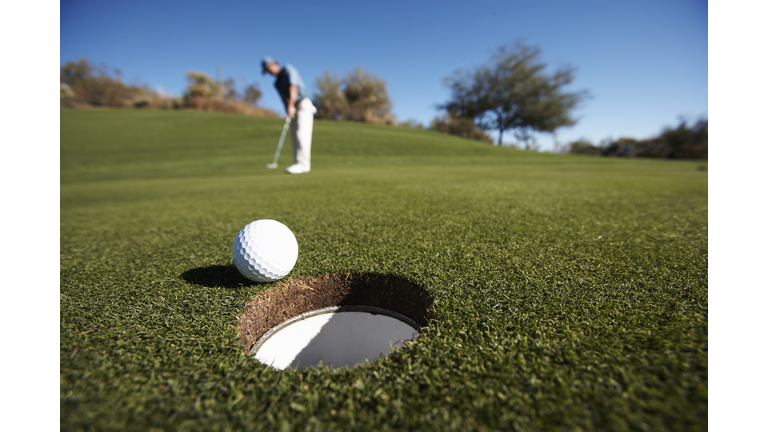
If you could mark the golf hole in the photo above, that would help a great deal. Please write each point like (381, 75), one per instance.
(335, 320)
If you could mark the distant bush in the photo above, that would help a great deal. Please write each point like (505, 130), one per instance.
(583, 146)
(411, 123)
(682, 142)
(67, 96)
(620, 147)
(91, 85)
(460, 126)
(227, 105)
(201, 85)
(685, 142)
(330, 99)
(360, 96)
(252, 94)
(205, 93)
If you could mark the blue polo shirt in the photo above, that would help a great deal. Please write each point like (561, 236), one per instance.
(287, 77)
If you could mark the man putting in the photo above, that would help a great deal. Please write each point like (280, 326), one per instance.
(298, 107)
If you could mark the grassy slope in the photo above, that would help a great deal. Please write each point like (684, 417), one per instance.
(570, 292)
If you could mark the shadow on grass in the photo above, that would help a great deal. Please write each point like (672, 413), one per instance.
(217, 276)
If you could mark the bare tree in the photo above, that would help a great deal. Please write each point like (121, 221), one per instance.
(460, 126)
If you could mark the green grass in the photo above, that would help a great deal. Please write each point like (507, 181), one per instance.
(570, 293)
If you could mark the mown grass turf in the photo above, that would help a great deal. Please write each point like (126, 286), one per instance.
(569, 292)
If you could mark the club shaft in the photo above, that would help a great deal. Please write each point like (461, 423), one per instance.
(282, 137)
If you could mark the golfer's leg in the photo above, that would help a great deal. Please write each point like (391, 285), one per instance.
(304, 122)
(295, 139)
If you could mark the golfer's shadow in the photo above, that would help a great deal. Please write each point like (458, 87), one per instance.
(217, 276)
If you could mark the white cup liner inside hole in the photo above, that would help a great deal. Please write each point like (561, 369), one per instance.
(337, 336)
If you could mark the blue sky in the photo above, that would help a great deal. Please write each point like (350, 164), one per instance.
(644, 62)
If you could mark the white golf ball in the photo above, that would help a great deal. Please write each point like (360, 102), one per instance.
(265, 250)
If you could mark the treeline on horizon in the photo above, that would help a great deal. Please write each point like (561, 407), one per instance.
(85, 85)
(360, 96)
(682, 142)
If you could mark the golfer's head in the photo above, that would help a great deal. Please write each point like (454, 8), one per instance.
(269, 66)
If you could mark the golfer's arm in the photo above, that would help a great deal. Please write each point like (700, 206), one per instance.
(294, 92)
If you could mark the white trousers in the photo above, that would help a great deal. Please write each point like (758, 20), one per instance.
(301, 132)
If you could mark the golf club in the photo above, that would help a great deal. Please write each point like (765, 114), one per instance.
(273, 165)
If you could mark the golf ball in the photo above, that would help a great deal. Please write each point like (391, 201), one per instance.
(265, 250)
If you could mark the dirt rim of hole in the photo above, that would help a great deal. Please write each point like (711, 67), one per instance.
(296, 297)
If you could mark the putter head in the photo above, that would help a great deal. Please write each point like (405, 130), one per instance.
(272, 166)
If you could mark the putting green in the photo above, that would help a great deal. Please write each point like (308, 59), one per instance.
(568, 292)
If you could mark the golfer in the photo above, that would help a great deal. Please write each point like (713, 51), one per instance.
(298, 107)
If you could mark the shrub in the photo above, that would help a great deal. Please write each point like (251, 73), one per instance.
(330, 99)
(202, 86)
(204, 93)
(66, 96)
(361, 97)
(411, 123)
(460, 126)
(96, 86)
(367, 97)
(681, 142)
(684, 142)
(84, 85)
(583, 146)
(252, 94)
